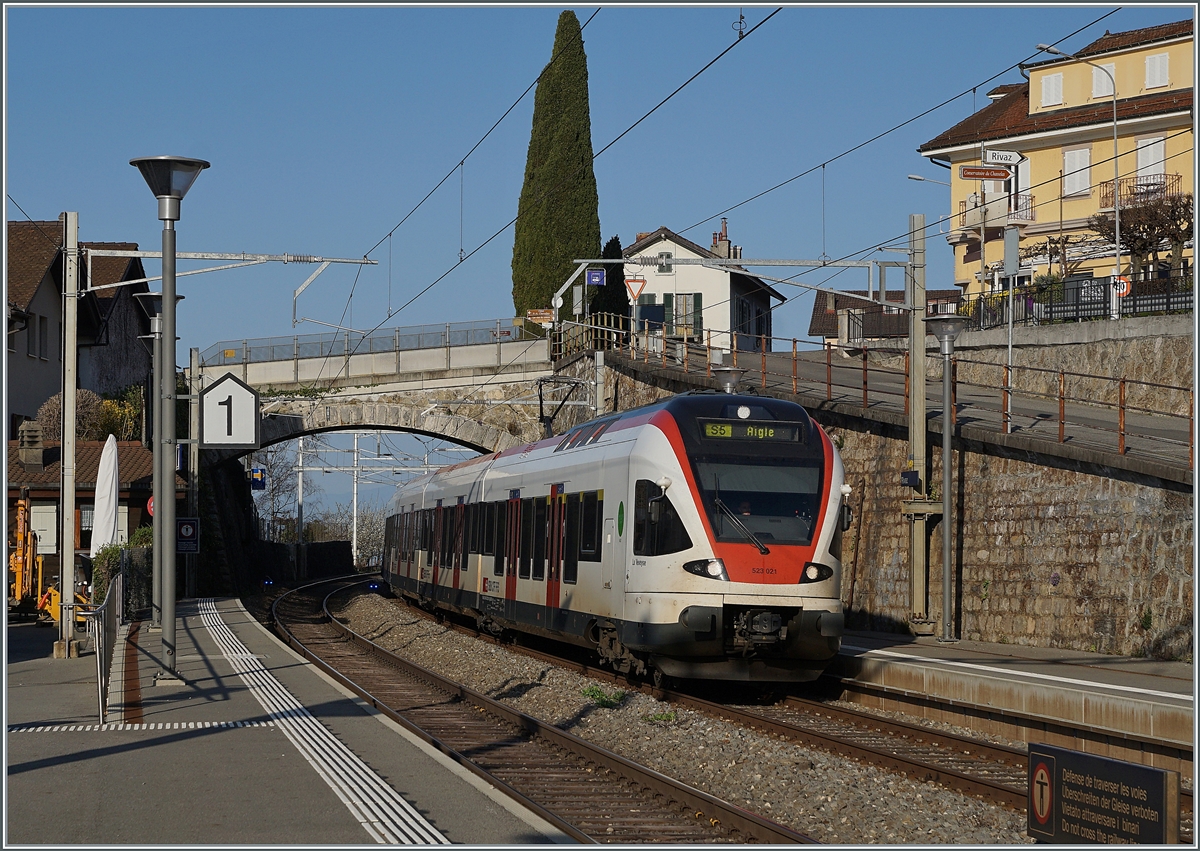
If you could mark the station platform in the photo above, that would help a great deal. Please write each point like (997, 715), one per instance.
(250, 746)
(1141, 710)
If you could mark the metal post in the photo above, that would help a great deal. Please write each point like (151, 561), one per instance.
(864, 371)
(194, 388)
(299, 494)
(66, 539)
(954, 393)
(708, 356)
(354, 510)
(156, 383)
(599, 382)
(1121, 418)
(1007, 413)
(1062, 406)
(793, 365)
(828, 371)
(762, 346)
(947, 525)
(919, 619)
(167, 442)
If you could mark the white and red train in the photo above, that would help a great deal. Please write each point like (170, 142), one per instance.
(699, 537)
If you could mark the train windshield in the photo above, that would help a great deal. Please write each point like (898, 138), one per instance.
(776, 499)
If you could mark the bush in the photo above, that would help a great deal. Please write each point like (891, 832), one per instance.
(105, 566)
(143, 536)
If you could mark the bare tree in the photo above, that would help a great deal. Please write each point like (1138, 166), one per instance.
(276, 503)
(336, 524)
(1148, 228)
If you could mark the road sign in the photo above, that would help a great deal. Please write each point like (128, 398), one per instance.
(229, 415)
(635, 286)
(976, 172)
(187, 534)
(540, 315)
(150, 506)
(1001, 158)
(258, 479)
(595, 277)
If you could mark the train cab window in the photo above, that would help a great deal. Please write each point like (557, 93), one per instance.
(541, 532)
(570, 573)
(591, 518)
(525, 558)
(657, 529)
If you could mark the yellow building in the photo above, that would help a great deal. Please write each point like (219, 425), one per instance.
(1057, 132)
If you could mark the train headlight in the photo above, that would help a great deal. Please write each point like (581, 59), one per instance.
(710, 568)
(815, 572)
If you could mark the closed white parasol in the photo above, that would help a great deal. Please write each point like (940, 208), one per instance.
(104, 521)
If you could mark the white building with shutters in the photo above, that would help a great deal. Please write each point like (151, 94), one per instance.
(699, 302)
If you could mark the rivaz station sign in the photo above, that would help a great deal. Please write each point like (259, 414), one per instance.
(1076, 798)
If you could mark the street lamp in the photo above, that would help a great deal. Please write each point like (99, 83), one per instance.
(946, 329)
(169, 178)
(927, 179)
(1116, 172)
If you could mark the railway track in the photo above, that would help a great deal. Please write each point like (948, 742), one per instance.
(995, 773)
(589, 793)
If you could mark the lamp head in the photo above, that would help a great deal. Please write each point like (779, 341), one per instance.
(946, 329)
(169, 178)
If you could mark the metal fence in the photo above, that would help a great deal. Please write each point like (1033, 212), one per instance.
(103, 625)
(1080, 300)
(342, 343)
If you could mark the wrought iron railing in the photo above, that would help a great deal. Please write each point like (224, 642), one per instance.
(1141, 188)
(1000, 210)
(1081, 300)
(103, 624)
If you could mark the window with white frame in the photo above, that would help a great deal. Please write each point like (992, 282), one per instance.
(1077, 171)
(1151, 157)
(1157, 70)
(1102, 83)
(1052, 89)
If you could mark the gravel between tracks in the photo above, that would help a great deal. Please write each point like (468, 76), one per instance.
(827, 797)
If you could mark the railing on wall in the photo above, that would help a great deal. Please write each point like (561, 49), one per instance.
(1137, 418)
(1140, 188)
(1081, 300)
(103, 624)
(341, 343)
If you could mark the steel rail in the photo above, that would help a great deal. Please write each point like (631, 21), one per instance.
(721, 815)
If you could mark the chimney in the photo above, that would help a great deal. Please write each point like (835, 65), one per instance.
(29, 446)
(720, 246)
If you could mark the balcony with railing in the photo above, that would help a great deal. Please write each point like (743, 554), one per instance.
(1019, 209)
(1141, 188)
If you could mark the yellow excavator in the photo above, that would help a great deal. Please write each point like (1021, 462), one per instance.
(24, 564)
(28, 595)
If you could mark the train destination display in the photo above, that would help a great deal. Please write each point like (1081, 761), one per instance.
(1079, 798)
(740, 430)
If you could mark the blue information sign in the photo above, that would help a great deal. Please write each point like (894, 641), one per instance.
(595, 277)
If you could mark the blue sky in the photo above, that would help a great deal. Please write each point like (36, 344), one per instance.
(326, 126)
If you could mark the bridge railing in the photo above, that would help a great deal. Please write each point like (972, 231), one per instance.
(339, 344)
(1115, 414)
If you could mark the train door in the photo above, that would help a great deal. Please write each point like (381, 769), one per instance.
(554, 530)
(512, 544)
(435, 560)
(457, 561)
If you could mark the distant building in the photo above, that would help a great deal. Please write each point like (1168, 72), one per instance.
(111, 357)
(1061, 123)
(844, 319)
(697, 301)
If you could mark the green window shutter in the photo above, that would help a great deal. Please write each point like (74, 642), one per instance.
(668, 313)
(697, 314)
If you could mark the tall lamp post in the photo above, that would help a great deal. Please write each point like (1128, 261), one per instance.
(169, 178)
(1116, 171)
(946, 329)
(927, 179)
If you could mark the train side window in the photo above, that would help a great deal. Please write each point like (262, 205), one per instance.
(447, 541)
(541, 531)
(427, 531)
(487, 546)
(592, 511)
(571, 543)
(463, 542)
(657, 529)
(525, 558)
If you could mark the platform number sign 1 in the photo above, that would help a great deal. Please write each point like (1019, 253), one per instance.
(229, 415)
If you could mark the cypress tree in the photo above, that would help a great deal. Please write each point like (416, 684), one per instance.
(558, 216)
(612, 297)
